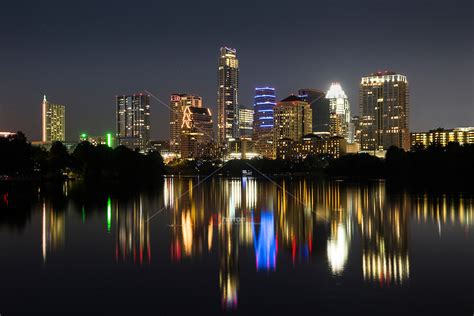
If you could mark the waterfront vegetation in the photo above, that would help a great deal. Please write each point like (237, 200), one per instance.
(434, 166)
(20, 160)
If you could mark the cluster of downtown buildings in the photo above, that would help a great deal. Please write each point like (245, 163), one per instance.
(309, 122)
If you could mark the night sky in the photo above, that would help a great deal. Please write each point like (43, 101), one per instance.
(83, 53)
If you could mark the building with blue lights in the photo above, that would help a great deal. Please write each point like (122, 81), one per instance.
(265, 242)
(264, 103)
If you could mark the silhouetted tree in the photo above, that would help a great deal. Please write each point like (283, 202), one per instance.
(58, 160)
(15, 155)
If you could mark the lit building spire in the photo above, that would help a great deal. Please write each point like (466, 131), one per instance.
(339, 111)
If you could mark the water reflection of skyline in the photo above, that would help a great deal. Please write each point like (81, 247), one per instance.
(133, 231)
(284, 221)
(279, 225)
(53, 229)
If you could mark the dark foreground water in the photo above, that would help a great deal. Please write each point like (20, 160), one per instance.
(236, 246)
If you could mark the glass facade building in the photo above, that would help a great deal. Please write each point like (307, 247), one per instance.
(227, 96)
(133, 121)
(319, 107)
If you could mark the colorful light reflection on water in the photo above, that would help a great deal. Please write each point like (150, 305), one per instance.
(236, 240)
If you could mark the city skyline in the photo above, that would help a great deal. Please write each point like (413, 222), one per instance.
(245, 157)
(175, 109)
(78, 75)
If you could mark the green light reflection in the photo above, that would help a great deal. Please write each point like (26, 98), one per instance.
(109, 214)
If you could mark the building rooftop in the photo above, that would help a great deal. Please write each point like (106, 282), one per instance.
(292, 98)
(335, 92)
(311, 90)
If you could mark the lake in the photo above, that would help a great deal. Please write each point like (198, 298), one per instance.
(238, 246)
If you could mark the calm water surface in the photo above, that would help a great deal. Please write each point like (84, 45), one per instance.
(242, 246)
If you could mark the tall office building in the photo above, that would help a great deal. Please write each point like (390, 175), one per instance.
(384, 112)
(264, 102)
(178, 102)
(319, 106)
(245, 122)
(339, 112)
(133, 121)
(227, 96)
(292, 119)
(196, 132)
(53, 121)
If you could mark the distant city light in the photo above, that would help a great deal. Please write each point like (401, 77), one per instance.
(109, 140)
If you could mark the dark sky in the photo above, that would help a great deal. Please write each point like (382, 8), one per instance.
(83, 53)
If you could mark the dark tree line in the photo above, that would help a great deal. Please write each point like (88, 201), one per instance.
(432, 167)
(436, 166)
(18, 158)
(258, 166)
(452, 165)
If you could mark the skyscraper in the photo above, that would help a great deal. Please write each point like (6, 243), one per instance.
(245, 122)
(227, 95)
(384, 112)
(133, 121)
(264, 103)
(293, 119)
(196, 132)
(319, 106)
(178, 102)
(339, 112)
(53, 121)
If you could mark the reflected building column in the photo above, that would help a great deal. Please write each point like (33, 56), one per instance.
(132, 232)
(384, 229)
(53, 230)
